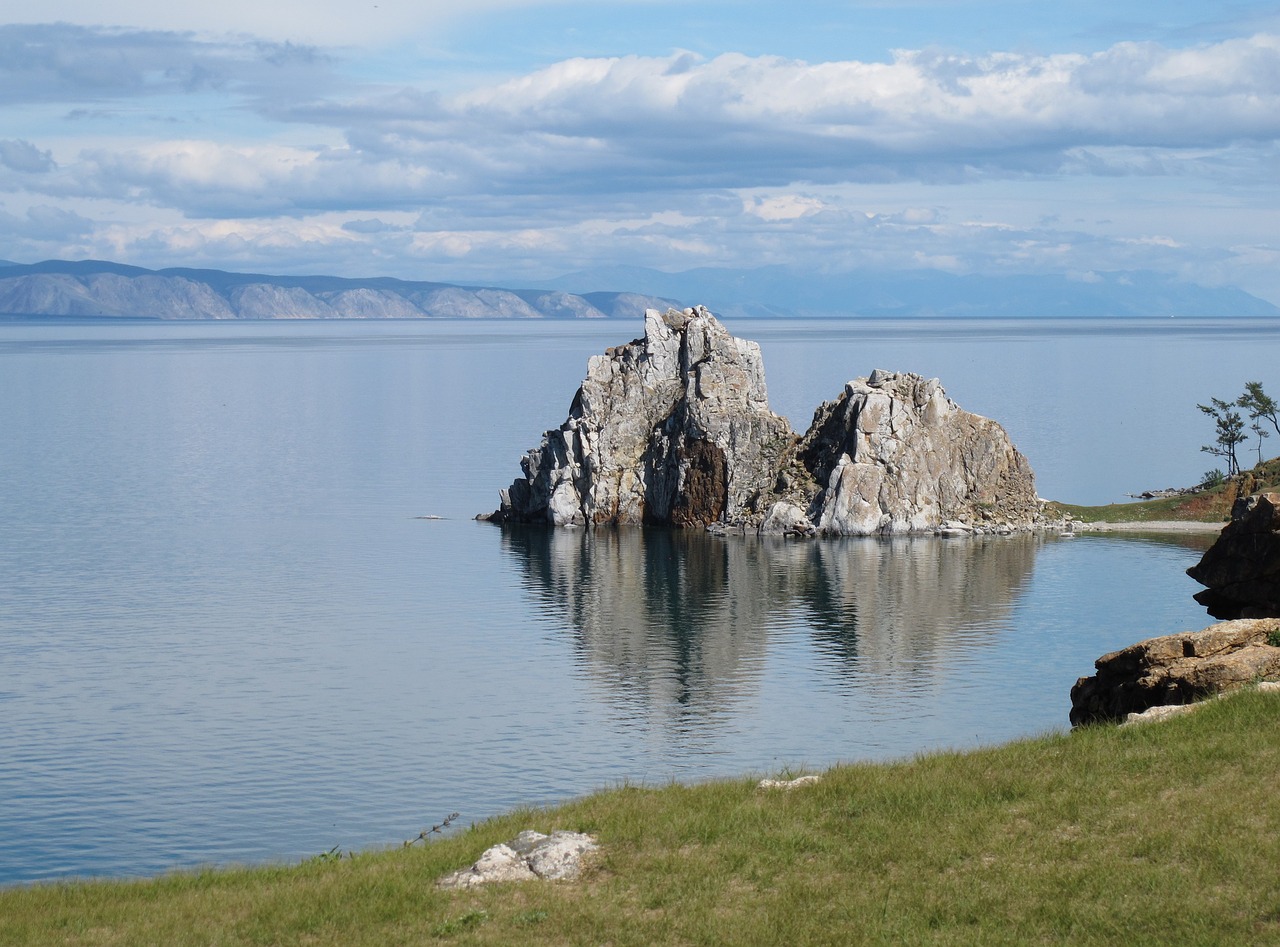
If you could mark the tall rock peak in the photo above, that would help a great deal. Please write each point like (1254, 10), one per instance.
(675, 429)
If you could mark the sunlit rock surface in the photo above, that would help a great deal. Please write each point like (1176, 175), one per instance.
(675, 429)
(527, 857)
(671, 429)
(1176, 669)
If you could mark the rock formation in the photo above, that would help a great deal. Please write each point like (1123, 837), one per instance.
(671, 429)
(1242, 569)
(1176, 669)
(675, 429)
(895, 455)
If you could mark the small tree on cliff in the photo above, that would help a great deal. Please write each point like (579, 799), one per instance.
(1259, 404)
(1229, 429)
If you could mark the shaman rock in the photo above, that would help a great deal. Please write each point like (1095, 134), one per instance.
(1176, 669)
(670, 429)
(675, 429)
(1242, 568)
(894, 454)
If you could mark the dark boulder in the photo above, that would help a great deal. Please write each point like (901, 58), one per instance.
(1242, 569)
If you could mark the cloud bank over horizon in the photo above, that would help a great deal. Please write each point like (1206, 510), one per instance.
(166, 147)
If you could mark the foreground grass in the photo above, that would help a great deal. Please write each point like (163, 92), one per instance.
(1212, 505)
(1168, 833)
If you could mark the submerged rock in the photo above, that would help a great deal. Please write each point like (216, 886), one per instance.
(1242, 568)
(675, 429)
(1176, 669)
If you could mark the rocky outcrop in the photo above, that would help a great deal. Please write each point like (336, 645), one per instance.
(1177, 669)
(1242, 569)
(527, 857)
(895, 455)
(675, 429)
(671, 429)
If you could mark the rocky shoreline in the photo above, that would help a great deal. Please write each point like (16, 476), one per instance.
(1152, 526)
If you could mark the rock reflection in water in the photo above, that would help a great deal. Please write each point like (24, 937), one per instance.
(672, 619)
(680, 621)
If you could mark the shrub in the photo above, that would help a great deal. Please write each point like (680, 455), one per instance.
(1213, 478)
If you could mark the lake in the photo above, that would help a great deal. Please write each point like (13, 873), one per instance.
(245, 614)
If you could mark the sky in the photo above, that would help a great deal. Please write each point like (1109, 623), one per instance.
(517, 140)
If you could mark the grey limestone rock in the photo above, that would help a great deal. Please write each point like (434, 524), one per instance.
(894, 454)
(670, 429)
(528, 856)
(675, 429)
(786, 785)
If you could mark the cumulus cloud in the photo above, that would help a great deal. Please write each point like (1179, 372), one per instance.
(632, 125)
(677, 160)
(636, 123)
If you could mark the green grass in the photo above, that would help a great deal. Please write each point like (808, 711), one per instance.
(1206, 506)
(1162, 834)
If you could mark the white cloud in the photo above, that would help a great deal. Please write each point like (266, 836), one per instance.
(784, 207)
(330, 22)
(672, 161)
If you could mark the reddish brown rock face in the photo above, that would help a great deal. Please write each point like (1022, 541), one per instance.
(705, 493)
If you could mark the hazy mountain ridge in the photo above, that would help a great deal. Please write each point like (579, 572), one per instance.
(101, 288)
(783, 291)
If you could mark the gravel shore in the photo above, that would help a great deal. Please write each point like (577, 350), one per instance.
(1151, 526)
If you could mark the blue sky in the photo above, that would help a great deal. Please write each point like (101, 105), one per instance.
(519, 140)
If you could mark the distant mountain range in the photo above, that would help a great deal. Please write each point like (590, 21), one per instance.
(784, 291)
(98, 288)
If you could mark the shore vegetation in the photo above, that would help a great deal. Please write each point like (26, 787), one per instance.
(1210, 504)
(1158, 834)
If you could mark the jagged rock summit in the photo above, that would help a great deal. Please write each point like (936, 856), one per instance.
(675, 429)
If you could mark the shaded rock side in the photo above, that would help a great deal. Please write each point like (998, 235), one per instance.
(675, 429)
(894, 454)
(670, 429)
(1242, 568)
(1176, 669)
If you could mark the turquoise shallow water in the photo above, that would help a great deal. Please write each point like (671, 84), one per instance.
(225, 635)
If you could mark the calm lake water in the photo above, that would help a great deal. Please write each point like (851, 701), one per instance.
(226, 634)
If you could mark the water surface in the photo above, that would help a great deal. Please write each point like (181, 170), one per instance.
(226, 636)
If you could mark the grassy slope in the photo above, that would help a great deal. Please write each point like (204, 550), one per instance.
(1168, 833)
(1207, 506)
